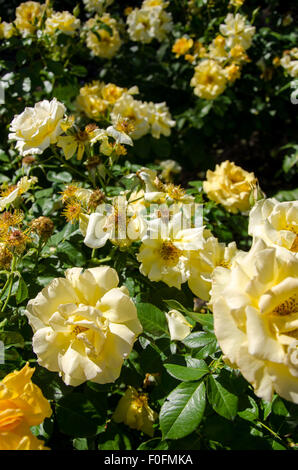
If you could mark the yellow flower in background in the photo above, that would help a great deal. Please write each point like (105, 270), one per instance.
(237, 31)
(28, 17)
(289, 61)
(7, 30)
(84, 325)
(149, 22)
(255, 310)
(90, 100)
(209, 80)
(237, 3)
(159, 119)
(134, 411)
(35, 129)
(232, 72)
(276, 223)
(111, 92)
(135, 111)
(97, 5)
(22, 405)
(230, 186)
(204, 261)
(169, 169)
(178, 326)
(182, 46)
(217, 50)
(62, 21)
(106, 42)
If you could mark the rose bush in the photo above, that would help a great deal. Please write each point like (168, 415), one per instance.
(148, 225)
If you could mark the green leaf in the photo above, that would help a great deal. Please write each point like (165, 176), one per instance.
(183, 410)
(222, 401)
(152, 319)
(154, 444)
(195, 371)
(250, 413)
(77, 416)
(22, 291)
(198, 339)
(205, 319)
(12, 339)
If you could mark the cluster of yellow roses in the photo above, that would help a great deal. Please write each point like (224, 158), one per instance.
(100, 32)
(97, 100)
(149, 22)
(85, 325)
(220, 63)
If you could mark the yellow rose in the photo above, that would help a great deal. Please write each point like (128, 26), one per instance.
(289, 62)
(62, 21)
(209, 80)
(255, 309)
(134, 411)
(7, 30)
(204, 261)
(28, 16)
(106, 42)
(179, 328)
(237, 31)
(84, 325)
(230, 186)
(97, 5)
(166, 250)
(182, 46)
(136, 111)
(35, 129)
(22, 405)
(276, 223)
(90, 100)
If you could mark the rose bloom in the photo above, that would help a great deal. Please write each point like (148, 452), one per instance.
(166, 250)
(182, 46)
(7, 30)
(134, 411)
(237, 31)
(160, 119)
(289, 62)
(255, 309)
(22, 405)
(230, 186)
(84, 325)
(90, 100)
(178, 326)
(204, 261)
(97, 5)
(35, 129)
(105, 43)
(276, 223)
(27, 14)
(209, 80)
(136, 111)
(148, 23)
(62, 21)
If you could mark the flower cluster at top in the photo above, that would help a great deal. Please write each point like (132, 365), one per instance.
(149, 22)
(219, 63)
(100, 32)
